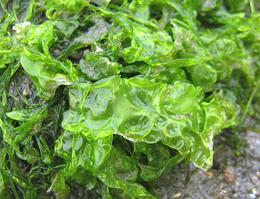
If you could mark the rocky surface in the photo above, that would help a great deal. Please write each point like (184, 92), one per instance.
(231, 177)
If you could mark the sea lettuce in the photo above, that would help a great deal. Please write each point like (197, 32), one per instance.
(99, 98)
(143, 111)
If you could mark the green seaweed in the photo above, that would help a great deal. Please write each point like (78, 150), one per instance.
(116, 93)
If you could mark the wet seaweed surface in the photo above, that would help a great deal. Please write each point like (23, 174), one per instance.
(101, 98)
(233, 176)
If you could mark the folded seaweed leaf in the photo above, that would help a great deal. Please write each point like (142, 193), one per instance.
(67, 5)
(47, 73)
(143, 111)
(102, 160)
(135, 42)
(8, 53)
(95, 66)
